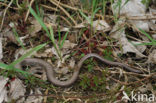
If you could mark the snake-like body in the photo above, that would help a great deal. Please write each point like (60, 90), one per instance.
(51, 73)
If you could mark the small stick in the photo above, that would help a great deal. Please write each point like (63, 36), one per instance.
(3, 4)
(66, 20)
(48, 7)
(5, 11)
(61, 97)
(125, 83)
(76, 9)
(144, 17)
(56, 4)
(28, 12)
(18, 4)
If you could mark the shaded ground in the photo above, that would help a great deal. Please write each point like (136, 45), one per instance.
(79, 28)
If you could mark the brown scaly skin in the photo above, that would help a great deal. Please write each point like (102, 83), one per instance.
(51, 74)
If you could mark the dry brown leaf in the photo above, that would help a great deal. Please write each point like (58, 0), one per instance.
(17, 89)
(34, 99)
(50, 18)
(46, 53)
(152, 57)
(101, 25)
(68, 45)
(140, 48)
(34, 28)
(154, 36)
(98, 25)
(3, 89)
(128, 47)
(152, 23)
(132, 8)
(22, 51)
(121, 37)
(7, 33)
(81, 25)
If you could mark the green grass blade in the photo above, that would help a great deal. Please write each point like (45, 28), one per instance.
(4, 66)
(88, 19)
(96, 10)
(150, 43)
(52, 35)
(37, 9)
(27, 54)
(148, 36)
(59, 33)
(7, 67)
(104, 7)
(64, 38)
(17, 38)
(125, 3)
(94, 5)
(39, 20)
(49, 34)
(53, 41)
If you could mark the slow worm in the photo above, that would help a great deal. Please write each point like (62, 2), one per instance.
(51, 74)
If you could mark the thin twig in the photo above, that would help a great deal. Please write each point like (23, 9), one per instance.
(129, 73)
(66, 20)
(76, 9)
(5, 11)
(28, 12)
(65, 96)
(18, 4)
(144, 17)
(56, 4)
(66, 6)
(3, 4)
(139, 81)
(48, 7)
(125, 83)
(45, 98)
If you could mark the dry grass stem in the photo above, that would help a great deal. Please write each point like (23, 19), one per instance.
(50, 8)
(68, 15)
(4, 14)
(28, 12)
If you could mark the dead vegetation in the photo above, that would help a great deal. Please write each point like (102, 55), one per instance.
(61, 32)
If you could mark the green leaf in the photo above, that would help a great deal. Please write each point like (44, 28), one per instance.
(153, 42)
(27, 54)
(4, 66)
(49, 34)
(87, 18)
(7, 67)
(39, 20)
(59, 34)
(148, 36)
(17, 38)
(64, 38)
(150, 43)
(96, 10)
(53, 41)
